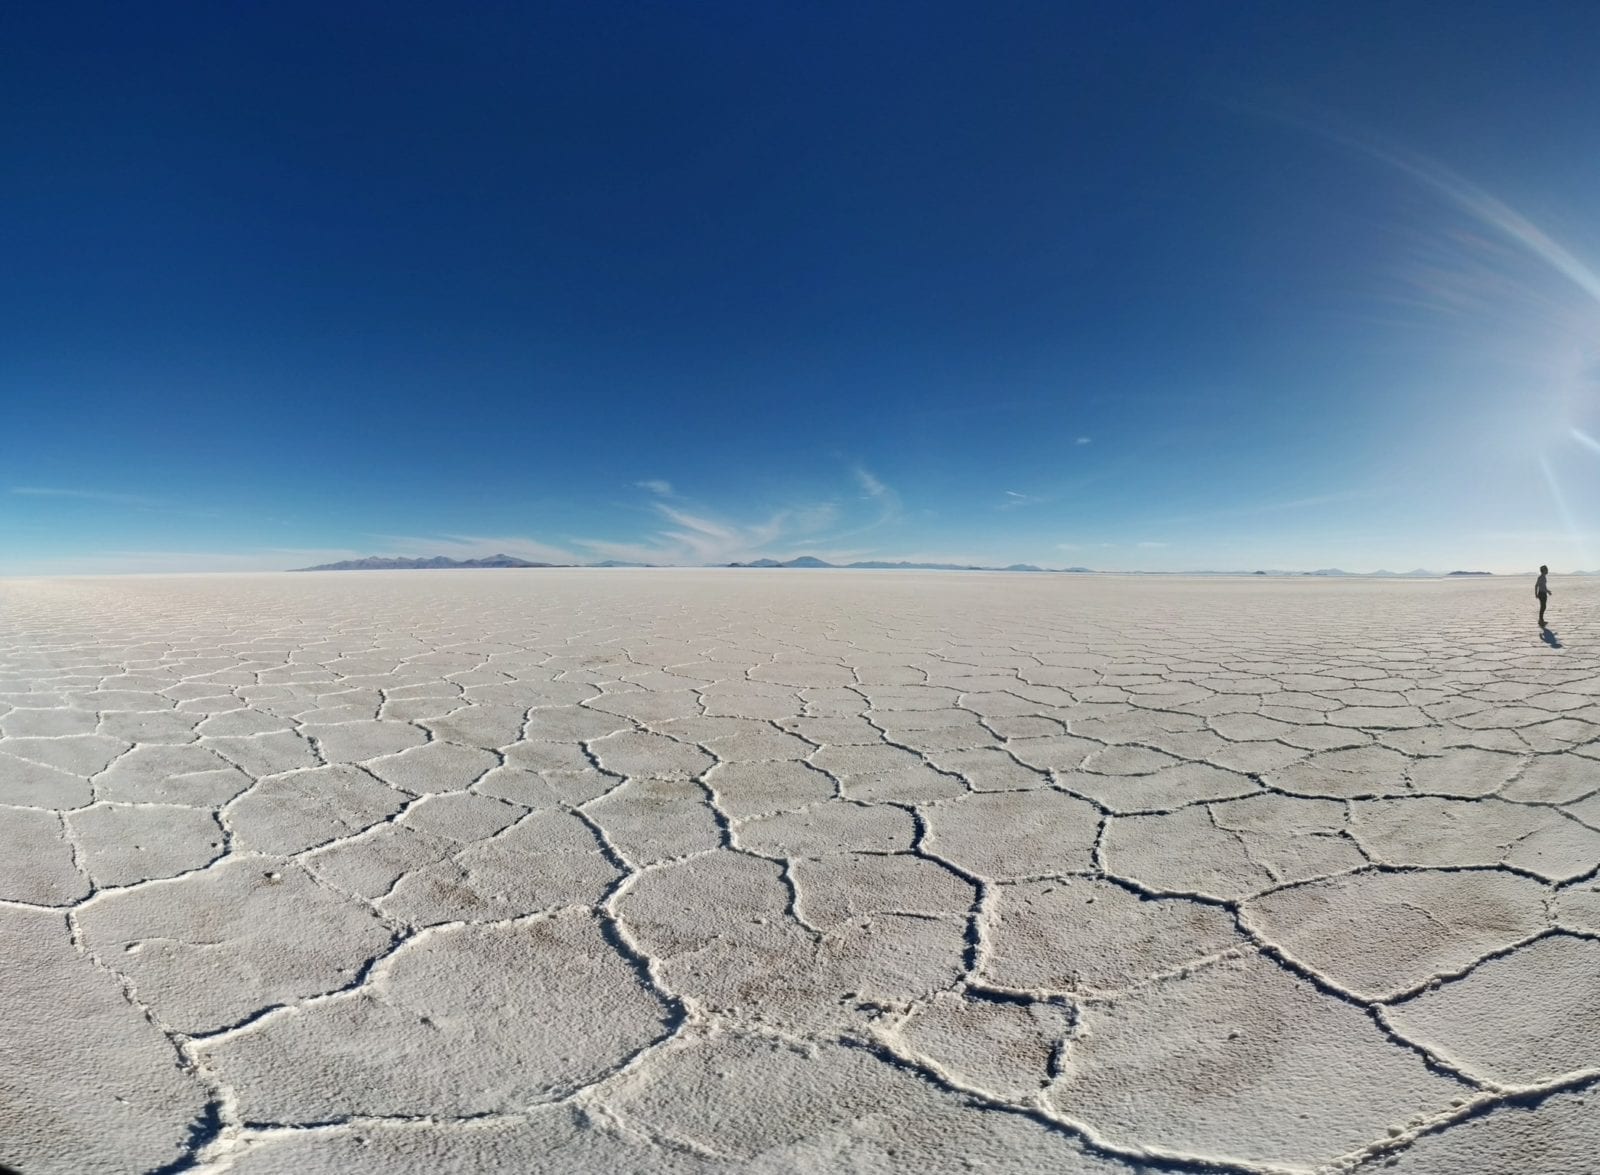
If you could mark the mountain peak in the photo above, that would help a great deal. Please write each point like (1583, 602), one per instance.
(424, 563)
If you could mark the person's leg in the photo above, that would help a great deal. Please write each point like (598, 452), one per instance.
(1542, 601)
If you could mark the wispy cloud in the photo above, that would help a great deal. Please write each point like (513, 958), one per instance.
(683, 532)
(870, 485)
(1468, 272)
(810, 520)
(1488, 210)
(710, 540)
(1149, 546)
(875, 490)
(693, 537)
(1083, 440)
(1288, 505)
(1014, 500)
(698, 537)
(177, 562)
(1575, 533)
(696, 534)
(110, 499)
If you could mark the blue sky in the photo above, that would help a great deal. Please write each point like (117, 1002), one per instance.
(1154, 285)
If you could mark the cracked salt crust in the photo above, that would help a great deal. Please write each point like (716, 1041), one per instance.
(728, 872)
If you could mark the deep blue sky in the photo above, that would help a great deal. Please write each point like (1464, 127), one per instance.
(1158, 285)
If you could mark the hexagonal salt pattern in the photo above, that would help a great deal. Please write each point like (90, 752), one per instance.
(728, 871)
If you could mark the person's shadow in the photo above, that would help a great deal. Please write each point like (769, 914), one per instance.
(1548, 636)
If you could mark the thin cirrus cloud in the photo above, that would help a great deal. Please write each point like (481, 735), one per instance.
(1482, 206)
(107, 498)
(698, 535)
(873, 489)
(870, 485)
(1479, 204)
(102, 496)
(1286, 506)
(1015, 500)
(690, 537)
(683, 534)
(159, 562)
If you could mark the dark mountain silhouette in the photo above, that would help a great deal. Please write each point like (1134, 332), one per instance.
(430, 563)
(811, 561)
(808, 562)
(804, 561)
(876, 565)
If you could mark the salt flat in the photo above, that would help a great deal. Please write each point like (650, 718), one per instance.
(717, 871)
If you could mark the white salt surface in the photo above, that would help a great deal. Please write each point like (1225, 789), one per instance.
(783, 871)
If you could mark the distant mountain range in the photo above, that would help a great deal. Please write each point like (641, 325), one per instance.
(1340, 573)
(443, 562)
(430, 563)
(878, 565)
(811, 561)
(1417, 573)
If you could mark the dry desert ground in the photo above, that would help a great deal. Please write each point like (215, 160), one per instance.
(754, 871)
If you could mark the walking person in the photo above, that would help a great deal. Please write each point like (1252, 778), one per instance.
(1541, 589)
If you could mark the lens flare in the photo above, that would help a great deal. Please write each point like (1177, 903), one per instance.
(1483, 207)
(1496, 214)
(1580, 545)
(1499, 217)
